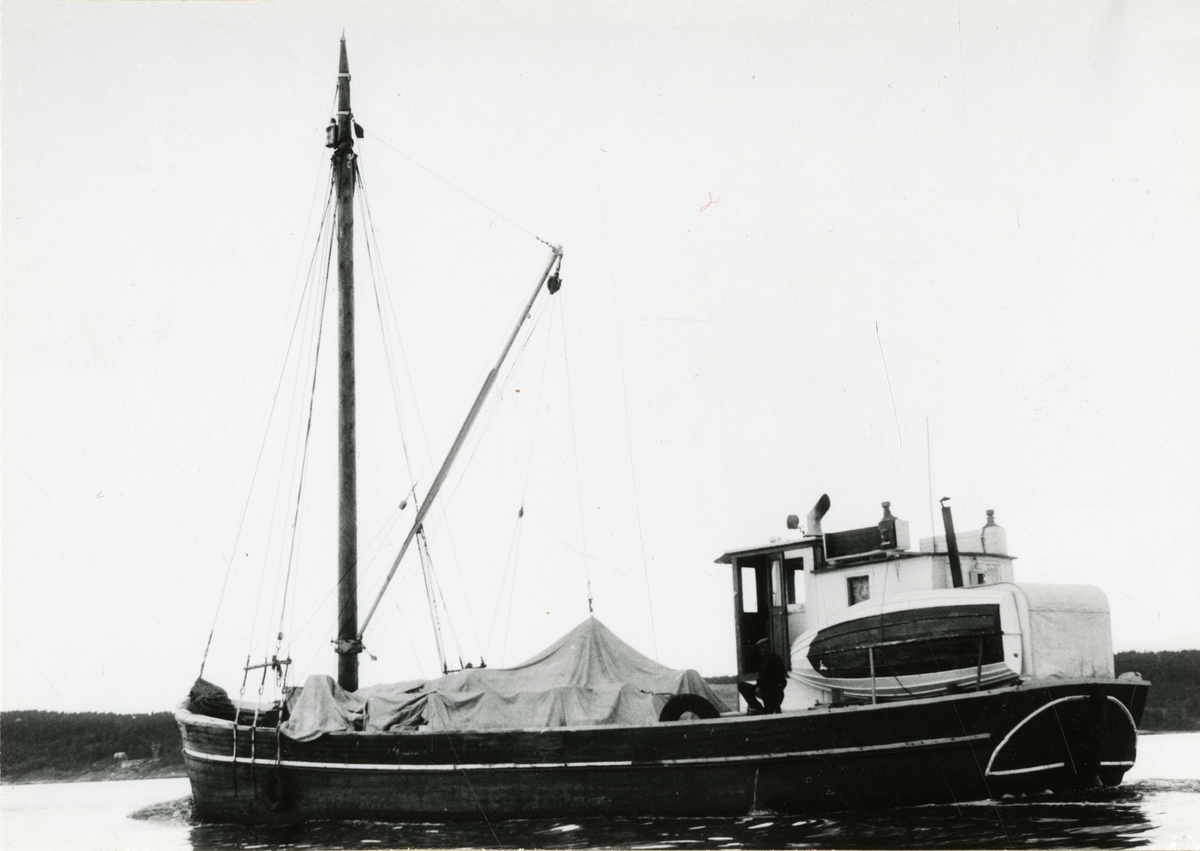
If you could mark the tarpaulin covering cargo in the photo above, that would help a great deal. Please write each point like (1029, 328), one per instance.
(587, 677)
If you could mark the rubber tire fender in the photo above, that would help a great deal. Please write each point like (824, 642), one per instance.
(275, 791)
(692, 703)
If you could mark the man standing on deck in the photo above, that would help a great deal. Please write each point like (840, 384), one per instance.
(772, 679)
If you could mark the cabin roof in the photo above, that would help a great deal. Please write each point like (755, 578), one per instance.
(856, 560)
(778, 546)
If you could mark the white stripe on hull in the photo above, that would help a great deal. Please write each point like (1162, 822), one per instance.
(493, 766)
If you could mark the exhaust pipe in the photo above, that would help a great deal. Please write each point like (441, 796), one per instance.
(814, 516)
(951, 545)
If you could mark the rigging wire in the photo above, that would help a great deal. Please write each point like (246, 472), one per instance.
(386, 529)
(503, 578)
(375, 258)
(372, 259)
(426, 575)
(587, 575)
(254, 475)
(262, 581)
(625, 399)
(496, 401)
(524, 488)
(493, 404)
(316, 315)
(312, 395)
(488, 417)
(438, 587)
(442, 512)
(391, 311)
(289, 565)
(458, 189)
(512, 593)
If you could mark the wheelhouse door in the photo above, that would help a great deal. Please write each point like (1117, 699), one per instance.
(780, 640)
(761, 609)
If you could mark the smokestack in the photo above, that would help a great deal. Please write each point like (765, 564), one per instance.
(814, 516)
(951, 545)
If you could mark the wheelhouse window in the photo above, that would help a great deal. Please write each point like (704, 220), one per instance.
(858, 589)
(749, 590)
(793, 565)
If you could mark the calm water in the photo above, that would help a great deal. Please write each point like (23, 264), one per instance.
(1157, 807)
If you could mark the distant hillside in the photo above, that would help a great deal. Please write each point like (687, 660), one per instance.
(1174, 701)
(38, 746)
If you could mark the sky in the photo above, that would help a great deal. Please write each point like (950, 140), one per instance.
(880, 251)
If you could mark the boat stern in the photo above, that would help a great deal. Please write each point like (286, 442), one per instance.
(1078, 740)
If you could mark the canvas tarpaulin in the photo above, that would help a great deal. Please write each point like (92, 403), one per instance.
(587, 677)
(1068, 634)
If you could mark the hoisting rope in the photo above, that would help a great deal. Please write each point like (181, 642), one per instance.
(374, 257)
(426, 571)
(328, 243)
(489, 416)
(555, 256)
(374, 254)
(524, 488)
(508, 561)
(587, 574)
(485, 421)
(324, 176)
(438, 587)
(383, 532)
(312, 395)
(262, 446)
(460, 190)
(625, 400)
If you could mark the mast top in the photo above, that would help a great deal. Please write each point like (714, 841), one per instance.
(343, 62)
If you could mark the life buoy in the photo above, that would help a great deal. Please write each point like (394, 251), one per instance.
(692, 703)
(275, 793)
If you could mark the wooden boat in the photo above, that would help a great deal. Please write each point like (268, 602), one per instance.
(915, 677)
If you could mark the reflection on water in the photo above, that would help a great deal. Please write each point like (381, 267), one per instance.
(1107, 818)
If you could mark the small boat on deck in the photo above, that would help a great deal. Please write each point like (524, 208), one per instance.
(914, 677)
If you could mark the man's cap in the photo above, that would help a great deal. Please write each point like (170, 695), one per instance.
(763, 641)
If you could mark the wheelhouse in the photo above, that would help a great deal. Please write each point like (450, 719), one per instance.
(792, 586)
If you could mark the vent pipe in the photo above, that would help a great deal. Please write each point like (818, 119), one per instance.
(814, 516)
(951, 545)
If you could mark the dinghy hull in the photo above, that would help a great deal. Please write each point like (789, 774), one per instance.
(957, 747)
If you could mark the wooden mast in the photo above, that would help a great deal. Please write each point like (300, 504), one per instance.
(347, 645)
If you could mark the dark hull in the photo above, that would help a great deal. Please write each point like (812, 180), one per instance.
(950, 748)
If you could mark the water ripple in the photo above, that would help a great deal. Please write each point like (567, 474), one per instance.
(1103, 818)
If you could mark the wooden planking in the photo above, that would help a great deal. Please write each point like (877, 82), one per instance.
(910, 625)
(920, 641)
(730, 789)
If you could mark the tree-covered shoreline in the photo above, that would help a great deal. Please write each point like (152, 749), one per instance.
(1173, 704)
(46, 747)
